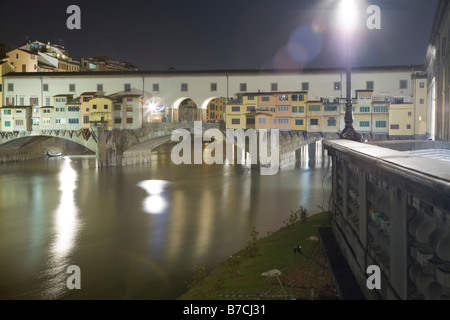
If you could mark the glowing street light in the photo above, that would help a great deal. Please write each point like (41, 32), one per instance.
(347, 18)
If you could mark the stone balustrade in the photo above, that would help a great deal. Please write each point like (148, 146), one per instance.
(392, 209)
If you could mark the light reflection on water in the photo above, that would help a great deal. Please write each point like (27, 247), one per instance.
(138, 232)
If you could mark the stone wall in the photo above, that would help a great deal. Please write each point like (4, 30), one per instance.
(392, 209)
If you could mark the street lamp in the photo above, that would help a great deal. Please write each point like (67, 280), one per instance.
(346, 19)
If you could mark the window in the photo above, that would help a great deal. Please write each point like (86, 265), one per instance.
(7, 111)
(34, 101)
(94, 107)
(21, 101)
(408, 126)
(99, 87)
(60, 121)
(364, 109)
(301, 97)
(380, 124)
(237, 109)
(127, 87)
(305, 86)
(403, 84)
(364, 124)
(72, 87)
(283, 120)
(369, 85)
(129, 109)
(337, 86)
(361, 97)
(294, 109)
(18, 111)
(298, 122)
(283, 97)
(274, 86)
(10, 86)
(301, 109)
(422, 84)
(213, 86)
(250, 120)
(117, 120)
(262, 120)
(85, 119)
(156, 87)
(243, 87)
(330, 108)
(45, 87)
(184, 87)
(314, 107)
(409, 113)
(252, 97)
(314, 122)
(105, 107)
(47, 101)
(46, 111)
(74, 120)
(283, 109)
(395, 126)
(294, 97)
(368, 97)
(117, 107)
(380, 109)
(264, 98)
(7, 123)
(0, 87)
(422, 101)
(235, 121)
(331, 122)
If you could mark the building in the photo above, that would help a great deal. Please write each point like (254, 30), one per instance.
(401, 120)
(172, 95)
(215, 110)
(104, 63)
(437, 66)
(15, 118)
(41, 57)
(5, 67)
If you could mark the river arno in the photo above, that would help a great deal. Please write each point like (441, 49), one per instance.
(141, 231)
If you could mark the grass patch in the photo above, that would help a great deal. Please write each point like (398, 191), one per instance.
(303, 275)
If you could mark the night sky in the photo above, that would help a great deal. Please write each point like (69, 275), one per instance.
(224, 34)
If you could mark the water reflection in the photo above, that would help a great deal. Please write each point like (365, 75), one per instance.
(66, 226)
(156, 202)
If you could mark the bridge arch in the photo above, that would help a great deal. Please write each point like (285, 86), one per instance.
(185, 109)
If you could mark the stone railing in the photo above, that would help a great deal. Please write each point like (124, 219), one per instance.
(392, 209)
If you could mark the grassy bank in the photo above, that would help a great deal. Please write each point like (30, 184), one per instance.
(302, 275)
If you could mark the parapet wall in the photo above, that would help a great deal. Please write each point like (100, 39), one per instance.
(392, 209)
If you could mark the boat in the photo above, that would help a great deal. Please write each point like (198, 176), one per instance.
(51, 155)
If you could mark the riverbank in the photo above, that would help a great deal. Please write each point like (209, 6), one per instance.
(269, 267)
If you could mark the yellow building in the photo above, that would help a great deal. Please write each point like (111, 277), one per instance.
(314, 116)
(100, 112)
(420, 97)
(380, 117)
(401, 119)
(215, 110)
(241, 113)
(23, 60)
(362, 114)
(16, 118)
(331, 116)
(298, 101)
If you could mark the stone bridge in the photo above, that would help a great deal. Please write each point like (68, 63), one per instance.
(126, 147)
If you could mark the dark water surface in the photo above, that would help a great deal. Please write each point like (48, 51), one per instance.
(141, 231)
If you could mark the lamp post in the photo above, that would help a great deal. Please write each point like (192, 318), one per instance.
(346, 19)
